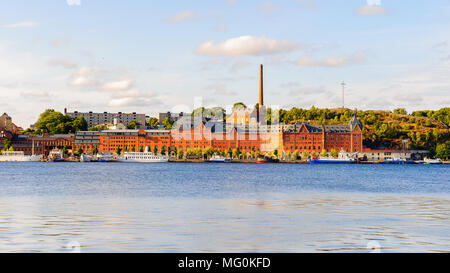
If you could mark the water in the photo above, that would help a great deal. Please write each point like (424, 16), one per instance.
(182, 207)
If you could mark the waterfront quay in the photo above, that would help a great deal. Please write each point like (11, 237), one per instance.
(191, 137)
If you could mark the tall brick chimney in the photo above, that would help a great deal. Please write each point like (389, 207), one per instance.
(261, 86)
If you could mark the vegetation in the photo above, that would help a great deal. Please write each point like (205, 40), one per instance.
(118, 150)
(52, 122)
(65, 151)
(6, 145)
(180, 153)
(167, 123)
(133, 125)
(98, 127)
(334, 153)
(421, 129)
(443, 150)
(80, 151)
(153, 122)
(95, 150)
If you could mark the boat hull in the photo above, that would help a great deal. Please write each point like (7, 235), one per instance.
(32, 158)
(328, 161)
(219, 161)
(142, 161)
(398, 162)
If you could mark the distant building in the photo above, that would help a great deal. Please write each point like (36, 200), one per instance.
(87, 140)
(386, 154)
(7, 124)
(172, 116)
(94, 119)
(316, 138)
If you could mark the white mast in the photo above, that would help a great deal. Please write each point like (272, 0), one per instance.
(343, 91)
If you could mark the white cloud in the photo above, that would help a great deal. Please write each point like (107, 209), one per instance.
(127, 101)
(356, 58)
(74, 2)
(181, 16)
(373, 7)
(63, 63)
(120, 85)
(84, 77)
(246, 45)
(22, 24)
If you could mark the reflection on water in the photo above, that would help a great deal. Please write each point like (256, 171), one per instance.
(148, 215)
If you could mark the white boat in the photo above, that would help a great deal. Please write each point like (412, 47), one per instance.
(85, 158)
(219, 159)
(343, 158)
(105, 157)
(142, 157)
(19, 156)
(432, 161)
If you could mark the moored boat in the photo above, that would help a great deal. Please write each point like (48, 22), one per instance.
(142, 157)
(432, 161)
(19, 156)
(219, 159)
(85, 158)
(398, 161)
(342, 158)
(105, 157)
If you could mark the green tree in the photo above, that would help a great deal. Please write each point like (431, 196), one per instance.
(324, 153)
(52, 122)
(289, 155)
(155, 150)
(95, 150)
(180, 153)
(400, 111)
(443, 150)
(334, 153)
(141, 149)
(236, 153)
(163, 150)
(305, 154)
(80, 151)
(118, 150)
(208, 151)
(133, 149)
(64, 150)
(133, 125)
(98, 127)
(153, 122)
(239, 105)
(296, 155)
(6, 144)
(167, 123)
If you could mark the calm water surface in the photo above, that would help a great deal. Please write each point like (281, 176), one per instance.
(113, 207)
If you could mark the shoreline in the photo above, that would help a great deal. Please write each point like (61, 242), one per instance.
(247, 161)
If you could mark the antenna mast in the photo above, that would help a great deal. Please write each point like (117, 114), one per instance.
(343, 92)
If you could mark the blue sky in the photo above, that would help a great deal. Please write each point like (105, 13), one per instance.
(152, 56)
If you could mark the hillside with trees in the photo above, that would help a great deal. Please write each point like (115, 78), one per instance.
(423, 129)
(52, 122)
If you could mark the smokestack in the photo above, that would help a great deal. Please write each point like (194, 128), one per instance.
(261, 86)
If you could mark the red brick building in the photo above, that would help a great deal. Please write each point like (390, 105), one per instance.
(316, 138)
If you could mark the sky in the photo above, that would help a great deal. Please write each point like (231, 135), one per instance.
(158, 56)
